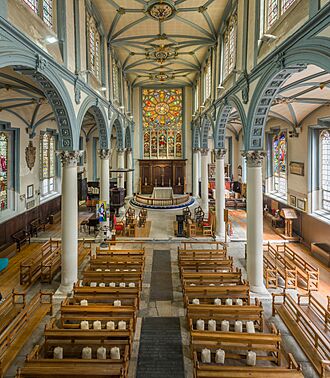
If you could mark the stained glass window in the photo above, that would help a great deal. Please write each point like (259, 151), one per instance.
(162, 123)
(280, 163)
(47, 163)
(230, 39)
(43, 8)
(3, 171)
(94, 46)
(325, 169)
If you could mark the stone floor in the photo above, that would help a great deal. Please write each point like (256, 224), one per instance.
(161, 239)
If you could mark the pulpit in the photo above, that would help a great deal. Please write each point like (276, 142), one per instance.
(117, 198)
(289, 215)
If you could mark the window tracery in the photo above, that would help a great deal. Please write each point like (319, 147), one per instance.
(280, 163)
(230, 41)
(94, 39)
(162, 123)
(47, 163)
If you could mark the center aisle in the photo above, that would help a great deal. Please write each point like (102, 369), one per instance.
(160, 352)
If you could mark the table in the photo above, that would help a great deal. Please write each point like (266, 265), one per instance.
(162, 193)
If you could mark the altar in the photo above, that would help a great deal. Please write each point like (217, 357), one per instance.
(162, 192)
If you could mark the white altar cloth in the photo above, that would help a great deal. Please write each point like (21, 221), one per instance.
(162, 193)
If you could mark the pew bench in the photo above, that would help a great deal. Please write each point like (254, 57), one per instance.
(18, 321)
(55, 218)
(198, 254)
(87, 281)
(197, 278)
(194, 244)
(293, 370)
(120, 252)
(201, 266)
(107, 277)
(113, 265)
(37, 225)
(21, 237)
(312, 341)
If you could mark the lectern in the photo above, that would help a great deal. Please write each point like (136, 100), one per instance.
(289, 215)
(180, 220)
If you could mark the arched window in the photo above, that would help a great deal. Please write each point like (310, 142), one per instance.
(4, 148)
(230, 41)
(162, 123)
(275, 9)
(93, 46)
(47, 163)
(280, 164)
(325, 169)
(43, 8)
(207, 80)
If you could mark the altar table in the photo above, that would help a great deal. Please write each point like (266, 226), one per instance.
(162, 193)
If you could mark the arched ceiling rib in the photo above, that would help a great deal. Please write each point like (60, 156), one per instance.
(132, 33)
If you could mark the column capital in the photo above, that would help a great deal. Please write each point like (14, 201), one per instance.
(104, 153)
(196, 149)
(120, 150)
(220, 153)
(69, 158)
(204, 151)
(254, 158)
(129, 149)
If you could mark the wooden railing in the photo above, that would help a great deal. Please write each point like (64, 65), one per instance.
(162, 201)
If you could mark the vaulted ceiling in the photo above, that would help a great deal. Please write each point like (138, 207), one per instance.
(154, 49)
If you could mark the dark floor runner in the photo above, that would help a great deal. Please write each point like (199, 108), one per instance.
(160, 353)
(161, 277)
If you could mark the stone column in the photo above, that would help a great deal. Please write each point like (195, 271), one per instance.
(195, 172)
(220, 192)
(129, 183)
(104, 181)
(120, 165)
(205, 183)
(255, 221)
(69, 220)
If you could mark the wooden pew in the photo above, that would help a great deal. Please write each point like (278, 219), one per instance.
(197, 278)
(293, 370)
(252, 312)
(312, 341)
(71, 311)
(236, 344)
(203, 266)
(42, 355)
(276, 265)
(107, 277)
(217, 245)
(306, 272)
(207, 294)
(113, 265)
(21, 237)
(201, 254)
(18, 321)
(120, 252)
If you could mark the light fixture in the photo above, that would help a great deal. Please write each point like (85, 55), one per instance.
(160, 10)
(51, 39)
(103, 89)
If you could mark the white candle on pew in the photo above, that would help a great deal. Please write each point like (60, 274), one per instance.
(131, 284)
(122, 325)
(122, 284)
(97, 325)
(107, 270)
(229, 301)
(206, 356)
(115, 353)
(195, 301)
(84, 324)
(238, 326)
(111, 325)
(58, 353)
(99, 270)
(84, 302)
(102, 284)
(117, 303)
(239, 302)
(212, 284)
(225, 326)
(93, 284)
(212, 325)
(192, 284)
(87, 353)
(217, 301)
(250, 327)
(112, 284)
(220, 356)
(101, 353)
(251, 358)
(200, 325)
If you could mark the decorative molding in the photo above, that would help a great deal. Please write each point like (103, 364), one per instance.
(77, 91)
(69, 158)
(196, 149)
(30, 155)
(204, 151)
(220, 153)
(41, 63)
(129, 149)
(254, 158)
(104, 153)
(120, 150)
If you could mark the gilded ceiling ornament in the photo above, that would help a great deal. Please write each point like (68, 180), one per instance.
(161, 10)
(30, 155)
(161, 53)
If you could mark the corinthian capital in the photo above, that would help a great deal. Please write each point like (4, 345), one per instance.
(104, 153)
(69, 158)
(220, 153)
(204, 151)
(254, 158)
